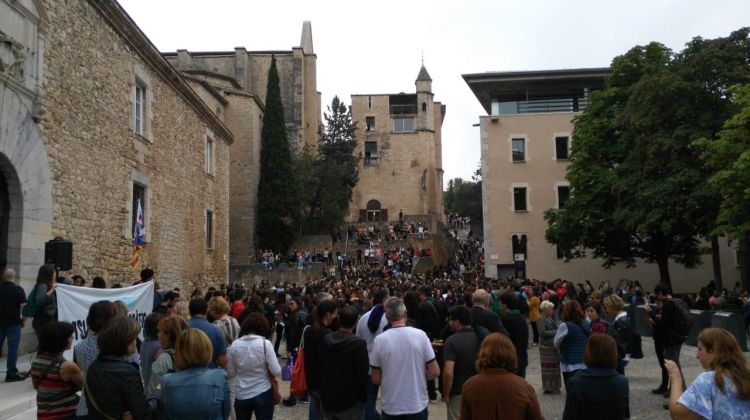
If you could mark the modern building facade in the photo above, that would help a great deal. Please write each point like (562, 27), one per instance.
(525, 142)
(399, 139)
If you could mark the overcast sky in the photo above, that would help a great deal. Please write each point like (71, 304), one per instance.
(376, 46)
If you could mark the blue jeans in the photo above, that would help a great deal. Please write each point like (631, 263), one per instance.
(13, 333)
(371, 413)
(313, 413)
(261, 404)
(416, 416)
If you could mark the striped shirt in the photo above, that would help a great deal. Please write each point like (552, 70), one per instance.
(55, 397)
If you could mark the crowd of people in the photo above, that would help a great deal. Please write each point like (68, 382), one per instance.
(372, 328)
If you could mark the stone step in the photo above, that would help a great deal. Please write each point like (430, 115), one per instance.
(16, 397)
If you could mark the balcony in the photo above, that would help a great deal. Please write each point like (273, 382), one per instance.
(538, 106)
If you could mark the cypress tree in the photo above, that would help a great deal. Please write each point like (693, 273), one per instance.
(277, 197)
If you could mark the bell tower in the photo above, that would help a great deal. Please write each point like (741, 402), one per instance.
(425, 115)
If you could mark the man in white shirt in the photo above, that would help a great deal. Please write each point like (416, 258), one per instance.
(402, 361)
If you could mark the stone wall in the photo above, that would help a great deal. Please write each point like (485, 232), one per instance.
(407, 174)
(297, 77)
(256, 274)
(95, 156)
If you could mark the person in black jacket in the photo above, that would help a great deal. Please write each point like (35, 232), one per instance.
(345, 366)
(113, 385)
(482, 316)
(515, 322)
(431, 319)
(314, 339)
(598, 392)
(667, 343)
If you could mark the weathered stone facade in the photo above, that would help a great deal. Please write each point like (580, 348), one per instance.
(401, 169)
(71, 152)
(242, 112)
(240, 75)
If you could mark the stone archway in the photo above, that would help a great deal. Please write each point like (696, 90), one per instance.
(24, 166)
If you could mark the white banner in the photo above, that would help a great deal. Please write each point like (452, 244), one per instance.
(73, 305)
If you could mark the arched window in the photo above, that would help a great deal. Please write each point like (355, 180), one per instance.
(374, 212)
(424, 106)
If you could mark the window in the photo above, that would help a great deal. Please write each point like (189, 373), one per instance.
(424, 106)
(519, 245)
(563, 193)
(561, 147)
(518, 149)
(209, 229)
(370, 123)
(209, 155)
(403, 125)
(371, 153)
(519, 199)
(139, 196)
(139, 111)
(369, 101)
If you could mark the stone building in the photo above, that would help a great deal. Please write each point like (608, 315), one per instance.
(399, 139)
(525, 145)
(93, 119)
(240, 78)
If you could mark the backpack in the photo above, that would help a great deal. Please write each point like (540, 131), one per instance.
(682, 320)
(494, 303)
(31, 308)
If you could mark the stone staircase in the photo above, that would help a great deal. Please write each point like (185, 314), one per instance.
(16, 397)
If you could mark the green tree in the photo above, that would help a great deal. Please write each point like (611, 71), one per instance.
(639, 185)
(465, 197)
(278, 200)
(729, 156)
(334, 171)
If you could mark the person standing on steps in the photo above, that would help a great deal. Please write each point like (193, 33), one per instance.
(12, 301)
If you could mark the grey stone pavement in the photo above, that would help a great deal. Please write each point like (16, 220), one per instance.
(17, 399)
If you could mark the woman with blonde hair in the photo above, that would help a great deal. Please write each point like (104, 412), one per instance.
(547, 327)
(195, 391)
(218, 310)
(620, 329)
(496, 391)
(168, 330)
(723, 390)
(181, 309)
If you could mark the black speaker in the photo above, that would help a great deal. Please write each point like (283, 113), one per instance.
(60, 253)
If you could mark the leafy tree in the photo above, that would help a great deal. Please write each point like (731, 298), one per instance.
(465, 197)
(278, 200)
(334, 171)
(730, 157)
(639, 185)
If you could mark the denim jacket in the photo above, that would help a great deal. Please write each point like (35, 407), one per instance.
(196, 393)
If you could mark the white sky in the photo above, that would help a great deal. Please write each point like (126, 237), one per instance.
(376, 46)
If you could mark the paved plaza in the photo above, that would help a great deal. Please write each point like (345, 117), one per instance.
(644, 375)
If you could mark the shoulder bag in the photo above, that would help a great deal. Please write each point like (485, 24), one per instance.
(298, 386)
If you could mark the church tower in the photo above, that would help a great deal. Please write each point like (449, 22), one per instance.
(425, 115)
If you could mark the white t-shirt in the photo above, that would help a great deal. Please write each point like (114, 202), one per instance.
(402, 355)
